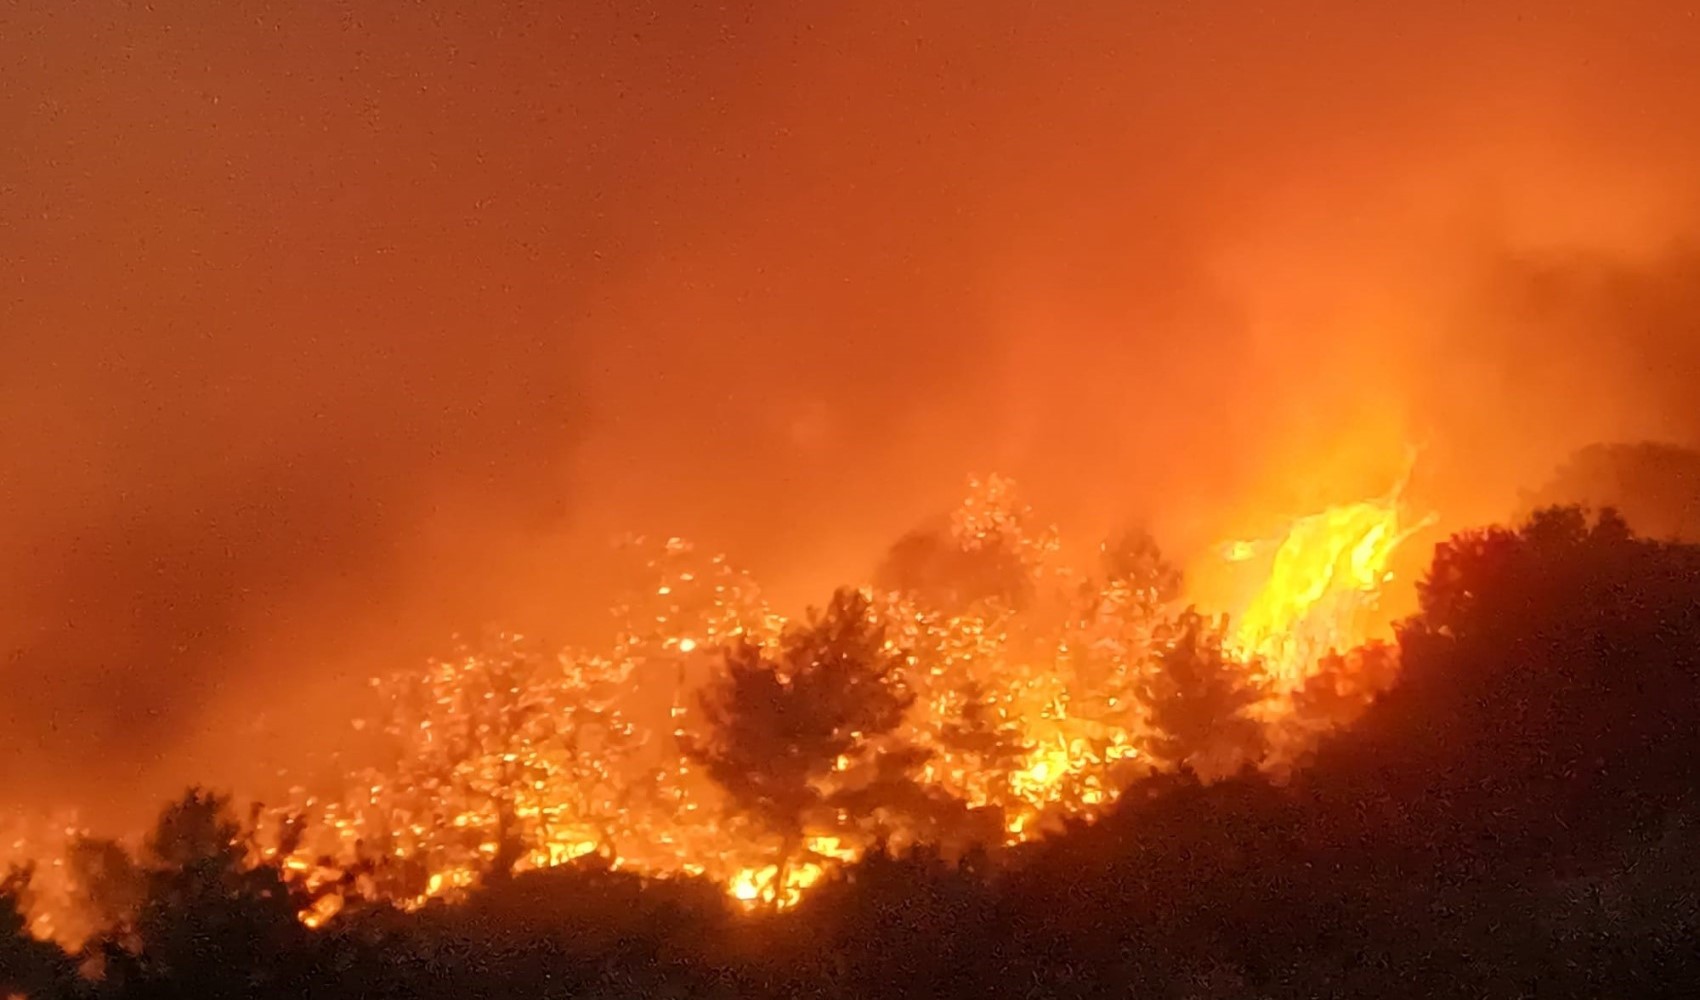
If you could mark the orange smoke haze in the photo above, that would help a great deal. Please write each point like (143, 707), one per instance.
(330, 330)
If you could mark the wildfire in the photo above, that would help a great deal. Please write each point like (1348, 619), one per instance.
(41, 847)
(1032, 691)
(1324, 574)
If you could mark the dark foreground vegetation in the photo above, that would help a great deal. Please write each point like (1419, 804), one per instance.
(1515, 817)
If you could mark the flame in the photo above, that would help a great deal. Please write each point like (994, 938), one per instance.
(508, 753)
(42, 845)
(1326, 572)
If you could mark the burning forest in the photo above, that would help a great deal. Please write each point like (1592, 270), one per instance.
(974, 696)
(755, 501)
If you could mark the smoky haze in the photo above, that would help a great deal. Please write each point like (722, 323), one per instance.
(332, 329)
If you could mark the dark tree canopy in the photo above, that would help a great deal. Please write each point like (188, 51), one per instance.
(212, 919)
(28, 967)
(1200, 697)
(1119, 621)
(935, 568)
(108, 882)
(1654, 485)
(1343, 686)
(1134, 560)
(779, 720)
(983, 735)
(1553, 672)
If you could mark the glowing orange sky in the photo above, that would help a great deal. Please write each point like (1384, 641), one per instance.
(329, 329)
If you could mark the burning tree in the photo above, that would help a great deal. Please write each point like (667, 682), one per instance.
(508, 755)
(932, 566)
(981, 607)
(986, 554)
(1133, 561)
(478, 733)
(983, 735)
(1343, 686)
(213, 916)
(1110, 642)
(108, 883)
(781, 723)
(28, 965)
(1200, 700)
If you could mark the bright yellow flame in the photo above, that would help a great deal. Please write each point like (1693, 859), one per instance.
(323, 909)
(1327, 571)
(758, 885)
(1046, 765)
(744, 887)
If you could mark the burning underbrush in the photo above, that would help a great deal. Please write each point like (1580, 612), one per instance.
(977, 693)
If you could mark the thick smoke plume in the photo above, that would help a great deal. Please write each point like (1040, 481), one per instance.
(331, 330)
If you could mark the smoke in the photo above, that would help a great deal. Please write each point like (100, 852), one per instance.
(330, 332)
